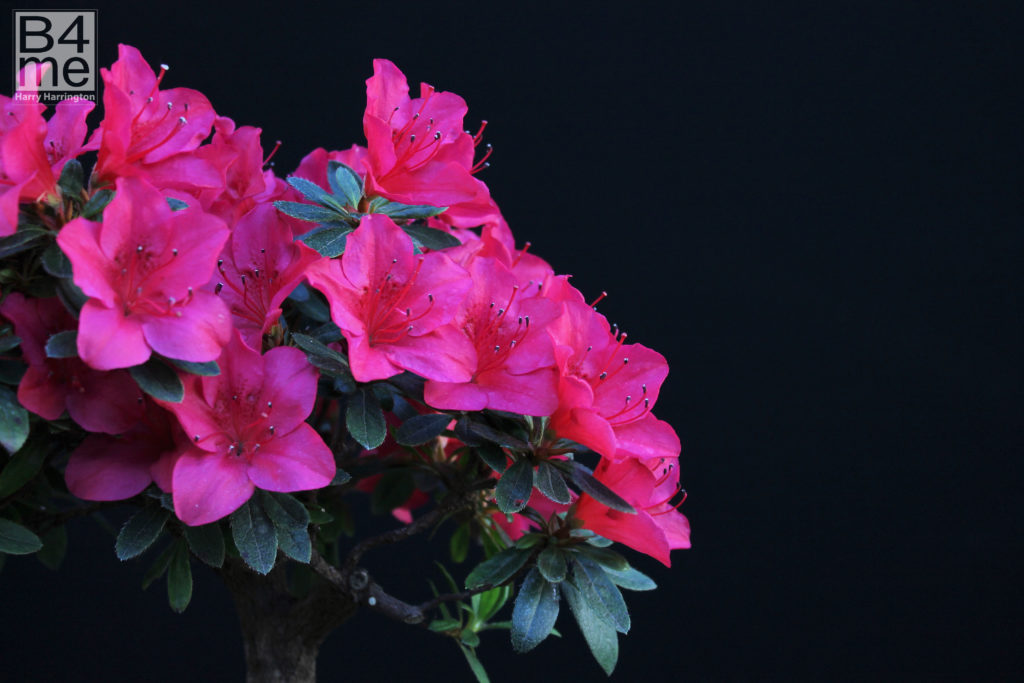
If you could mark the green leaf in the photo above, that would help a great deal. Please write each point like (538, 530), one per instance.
(16, 539)
(327, 333)
(323, 357)
(513, 490)
(601, 637)
(207, 369)
(9, 341)
(158, 380)
(487, 604)
(55, 262)
(55, 547)
(179, 578)
(330, 242)
(310, 303)
(550, 482)
(474, 664)
(13, 421)
(365, 419)
(72, 179)
(599, 591)
(431, 238)
(11, 372)
(419, 429)
(23, 466)
(23, 240)
(498, 569)
(139, 532)
(255, 536)
(291, 522)
(176, 204)
(392, 490)
(469, 638)
(442, 625)
(159, 566)
(62, 345)
(97, 202)
(458, 546)
(71, 295)
(598, 541)
(583, 477)
(530, 540)
(207, 542)
(630, 579)
(551, 563)
(345, 182)
(493, 457)
(535, 612)
(407, 211)
(608, 559)
(495, 436)
(314, 213)
(318, 194)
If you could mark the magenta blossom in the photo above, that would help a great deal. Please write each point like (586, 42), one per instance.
(247, 430)
(393, 306)
(99, 401)
(142, 268)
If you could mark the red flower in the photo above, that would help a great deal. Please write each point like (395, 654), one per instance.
(247, 430)
(393, 306)
(141, 268)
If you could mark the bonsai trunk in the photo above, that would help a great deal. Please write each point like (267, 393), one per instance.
(281, 633)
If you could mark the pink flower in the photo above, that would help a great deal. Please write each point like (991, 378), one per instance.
(393, 306)
(238, 155)
(649, 486)
(418, 152)
(108, 402)
(247, 430)
(141, 268)
(261, 265)
(151, 132)
(514, 366)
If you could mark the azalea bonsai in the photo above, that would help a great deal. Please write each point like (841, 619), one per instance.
(235, 356)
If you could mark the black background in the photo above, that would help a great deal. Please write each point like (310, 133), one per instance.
(813, 212)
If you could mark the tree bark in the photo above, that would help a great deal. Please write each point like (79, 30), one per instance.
(282, 634)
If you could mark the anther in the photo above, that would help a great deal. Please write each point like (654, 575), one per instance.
(220, 286)
(174, 252)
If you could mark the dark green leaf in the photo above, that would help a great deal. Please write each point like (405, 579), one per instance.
(254, 536)
(550, 482)
(9, 341)
(314, 213)
(529, 540)
(22, 466)
(71, 295)
(62, 345)
(495, 436)
(392, 490)
(176, 204)
(55, 262)
(365, 419)
(584, 478)
(24, 239)
(310, 304)
(158, 380)
(139, 532)
(179, 578)
(474, 664)
(599, 591)
(327, 333)
(493, 457)
(535, 612)
(55, 546)
(13, 421)
(345, 182)
(420, 429)
(291, 521)
(458, 546)
(207, 542)
(318, 194)
(431, 238)
(631, 579)
(94, 207)
(323, 357)
(469, 637)
(207, 369)
(513, 490)
(608, 559)
(442, 625)
(599, 541)
(11, 372)
(601, 637)
(408, 211)
(551, 563)
(159, 566)
(16, 539)
(330, 242)
(72, 178)
(497, 569)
